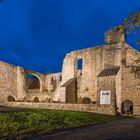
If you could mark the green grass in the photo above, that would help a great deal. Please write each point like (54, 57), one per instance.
(16, 123)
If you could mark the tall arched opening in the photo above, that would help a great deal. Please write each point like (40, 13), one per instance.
(33, 83)
(79, 67)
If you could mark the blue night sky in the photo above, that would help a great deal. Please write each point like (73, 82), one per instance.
(37, 34)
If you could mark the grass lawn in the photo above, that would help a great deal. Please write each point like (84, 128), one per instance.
(35, 121)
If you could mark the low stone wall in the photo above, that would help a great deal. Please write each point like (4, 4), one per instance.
(62, 106)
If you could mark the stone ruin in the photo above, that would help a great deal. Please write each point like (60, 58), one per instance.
(109, 77)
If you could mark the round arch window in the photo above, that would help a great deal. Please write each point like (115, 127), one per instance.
(11, 99)
(86, 101)
(36, 99)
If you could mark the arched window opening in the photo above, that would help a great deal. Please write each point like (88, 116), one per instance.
(36, 99)
(127, 107)
(86, 101)
(79, 66)
(60, 77)
(33, 82)
(11, 99)
(52, 79)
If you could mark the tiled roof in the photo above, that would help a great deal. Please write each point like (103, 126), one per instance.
(109, 72)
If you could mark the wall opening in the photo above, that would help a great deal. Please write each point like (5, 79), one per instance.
(86, 101)
(79, 67)
(60, 77)
(52, 79)
(48, 100)
(36, 99)
(127, 107)
(25, 99)
(33, 83)
(11, 99)
(79, 64)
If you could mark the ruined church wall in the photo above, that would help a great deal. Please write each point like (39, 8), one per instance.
(13, 82)
(8, 83)
(53, 86)
(131, 88)
(112, 55)
(22, 84)
(94, 61)
(52, 81)
(87, 82)
(131, 55)
(70, 70)
(130, 82)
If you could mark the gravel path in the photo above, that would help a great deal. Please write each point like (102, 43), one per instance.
(128, 129)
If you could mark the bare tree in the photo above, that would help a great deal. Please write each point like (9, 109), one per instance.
(132, 23)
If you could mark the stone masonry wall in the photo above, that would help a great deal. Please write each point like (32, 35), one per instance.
(62, 106)
(130, 84)
(104, 84)
(8, 83)
(94, 61)
(131, 88)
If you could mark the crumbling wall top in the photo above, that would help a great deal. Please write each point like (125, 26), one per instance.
(115, 35)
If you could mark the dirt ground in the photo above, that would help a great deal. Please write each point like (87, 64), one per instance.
(127, 129)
